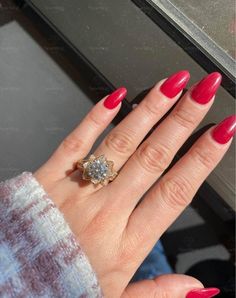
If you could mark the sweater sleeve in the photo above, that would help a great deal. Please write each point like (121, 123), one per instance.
(39, 255)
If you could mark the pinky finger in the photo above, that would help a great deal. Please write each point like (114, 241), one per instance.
(79, 142)
(168, 198)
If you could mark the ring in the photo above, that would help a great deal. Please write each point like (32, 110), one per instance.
(97, 169)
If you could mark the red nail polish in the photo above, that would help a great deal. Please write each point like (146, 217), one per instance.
(175, 83)
(206, 88)
(225, 130)
(115, 98)
(203, 293)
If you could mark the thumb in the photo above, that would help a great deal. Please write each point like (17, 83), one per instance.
(169, 286)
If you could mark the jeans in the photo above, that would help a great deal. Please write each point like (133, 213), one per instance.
(155, 264)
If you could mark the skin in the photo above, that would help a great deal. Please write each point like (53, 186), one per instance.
(114, 234)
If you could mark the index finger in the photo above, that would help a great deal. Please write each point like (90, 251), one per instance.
(79, 142)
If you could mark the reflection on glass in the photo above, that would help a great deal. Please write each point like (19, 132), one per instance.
(215, 17)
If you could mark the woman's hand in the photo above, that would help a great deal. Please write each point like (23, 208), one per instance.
(114, 232)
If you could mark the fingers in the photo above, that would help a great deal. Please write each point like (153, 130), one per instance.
(171, 285)
(169, 197)
(156, 153)
(79, 142)
(123, 140)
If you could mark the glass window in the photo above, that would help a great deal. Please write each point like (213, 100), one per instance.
(211, 25)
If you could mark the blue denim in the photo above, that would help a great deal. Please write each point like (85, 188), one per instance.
(154, 265)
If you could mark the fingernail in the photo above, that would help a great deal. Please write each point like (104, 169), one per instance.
(206, 88)
(225, 130)
(175, 83)
(115, 98)
(203, 293)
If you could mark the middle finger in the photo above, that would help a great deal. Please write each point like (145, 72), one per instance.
(123, 140)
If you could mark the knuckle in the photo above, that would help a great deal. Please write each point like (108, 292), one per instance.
(95, 120)
(164, 294)
(176, 192)
(120, 142)
(154, 159)
(204, 157)
(150, 107)
(72, 144)
(184, 117)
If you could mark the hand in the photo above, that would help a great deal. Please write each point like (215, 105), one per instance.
(115, 232)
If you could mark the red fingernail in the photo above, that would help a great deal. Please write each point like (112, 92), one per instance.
(175, 83)
(225, 130)
(206, 88)
(203, 293)
(115, 98)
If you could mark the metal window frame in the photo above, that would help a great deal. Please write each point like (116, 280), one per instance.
(191, 39)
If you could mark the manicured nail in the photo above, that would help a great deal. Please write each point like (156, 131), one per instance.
(206, 88)
(225, 130)
(115, 98)
(175, 83)
(203, 293)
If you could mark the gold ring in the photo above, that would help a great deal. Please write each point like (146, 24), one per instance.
(97, 169)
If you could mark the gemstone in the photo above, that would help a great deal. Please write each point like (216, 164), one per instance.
(97, 169)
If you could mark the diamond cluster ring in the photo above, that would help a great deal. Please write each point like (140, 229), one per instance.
(97, 169)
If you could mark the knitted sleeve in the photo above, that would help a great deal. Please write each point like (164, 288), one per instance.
(39, 256)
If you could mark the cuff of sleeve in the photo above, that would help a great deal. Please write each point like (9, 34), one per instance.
(48, 259)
